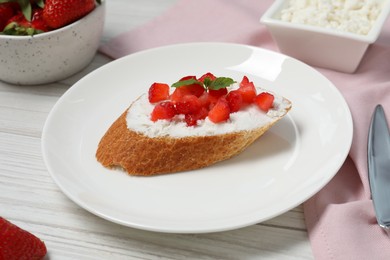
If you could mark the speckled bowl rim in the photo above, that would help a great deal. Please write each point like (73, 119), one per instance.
(50, 33)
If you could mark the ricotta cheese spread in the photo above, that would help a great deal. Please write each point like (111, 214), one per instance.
(355, 16)
(250, 117)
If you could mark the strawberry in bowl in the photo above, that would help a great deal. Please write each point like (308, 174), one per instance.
(47, 41)
(25, 17)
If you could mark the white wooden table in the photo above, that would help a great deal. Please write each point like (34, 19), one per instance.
(30, 198)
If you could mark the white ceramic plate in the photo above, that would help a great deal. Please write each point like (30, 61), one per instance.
(282, 169)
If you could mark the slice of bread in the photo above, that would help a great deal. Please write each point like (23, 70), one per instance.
(141, 154)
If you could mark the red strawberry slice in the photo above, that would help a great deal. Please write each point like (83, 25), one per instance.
(234, 99)
(192, 119)
(220, 112)
(247, 90)
(208, 101)
(218, 93)
(187, 78)
(264, 101)
(16, 243)
(188, 104)
(158, 92)
(204, 100)
(207, 75)
(60, 13)
(193, 89)
(163, 110)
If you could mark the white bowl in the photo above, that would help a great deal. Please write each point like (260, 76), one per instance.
(318, 46)
(51, 56)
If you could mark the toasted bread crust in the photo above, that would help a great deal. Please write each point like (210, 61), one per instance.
(139, 154)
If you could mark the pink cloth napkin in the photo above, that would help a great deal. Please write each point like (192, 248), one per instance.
(340, 218)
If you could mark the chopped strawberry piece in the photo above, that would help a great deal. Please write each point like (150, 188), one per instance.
(204, 100)
(158, 92)
(208, 101)
(207, 75)
(163, 110)
(234, 100)
(218, 93)
(244, 81)
(220, 112)
(188, 104)
(192, 119)
(193, 89)
(247, 90)
(212, 100)
(178, 94)
(187, 78)
(196, 89)
(264, 101)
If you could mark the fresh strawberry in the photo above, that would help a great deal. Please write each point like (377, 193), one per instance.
(163, 110)
(7, 11)
(19, 25)
(218, 93)
(187, 78)
(207, 75)
(188, 104)
(193, 89)
(247, 90)
(208, 101)
(220, 112)
(158, 92)
(192, 119)
(188, 85)
(204, 100)
(16, 243)
(234, 99)
(264, 101)
(60, 13)
(37, 21)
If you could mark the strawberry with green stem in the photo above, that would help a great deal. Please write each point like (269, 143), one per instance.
(53, 14)
(26, 6)
(19, 25)
(26, 19)
(7, 11)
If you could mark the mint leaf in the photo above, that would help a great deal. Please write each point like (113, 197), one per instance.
(207, 82)
(186, 83)
(220, 82)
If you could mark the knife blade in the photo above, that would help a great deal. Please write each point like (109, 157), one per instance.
(379, 166)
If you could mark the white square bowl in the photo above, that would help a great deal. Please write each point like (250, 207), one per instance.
(318, 46)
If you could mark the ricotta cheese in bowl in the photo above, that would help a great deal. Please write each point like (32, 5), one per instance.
(354, 16)
(331, 34)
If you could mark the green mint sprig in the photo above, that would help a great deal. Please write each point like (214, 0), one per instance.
(208, 83)
(186, 82)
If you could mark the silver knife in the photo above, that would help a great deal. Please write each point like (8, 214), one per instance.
(379, 166)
